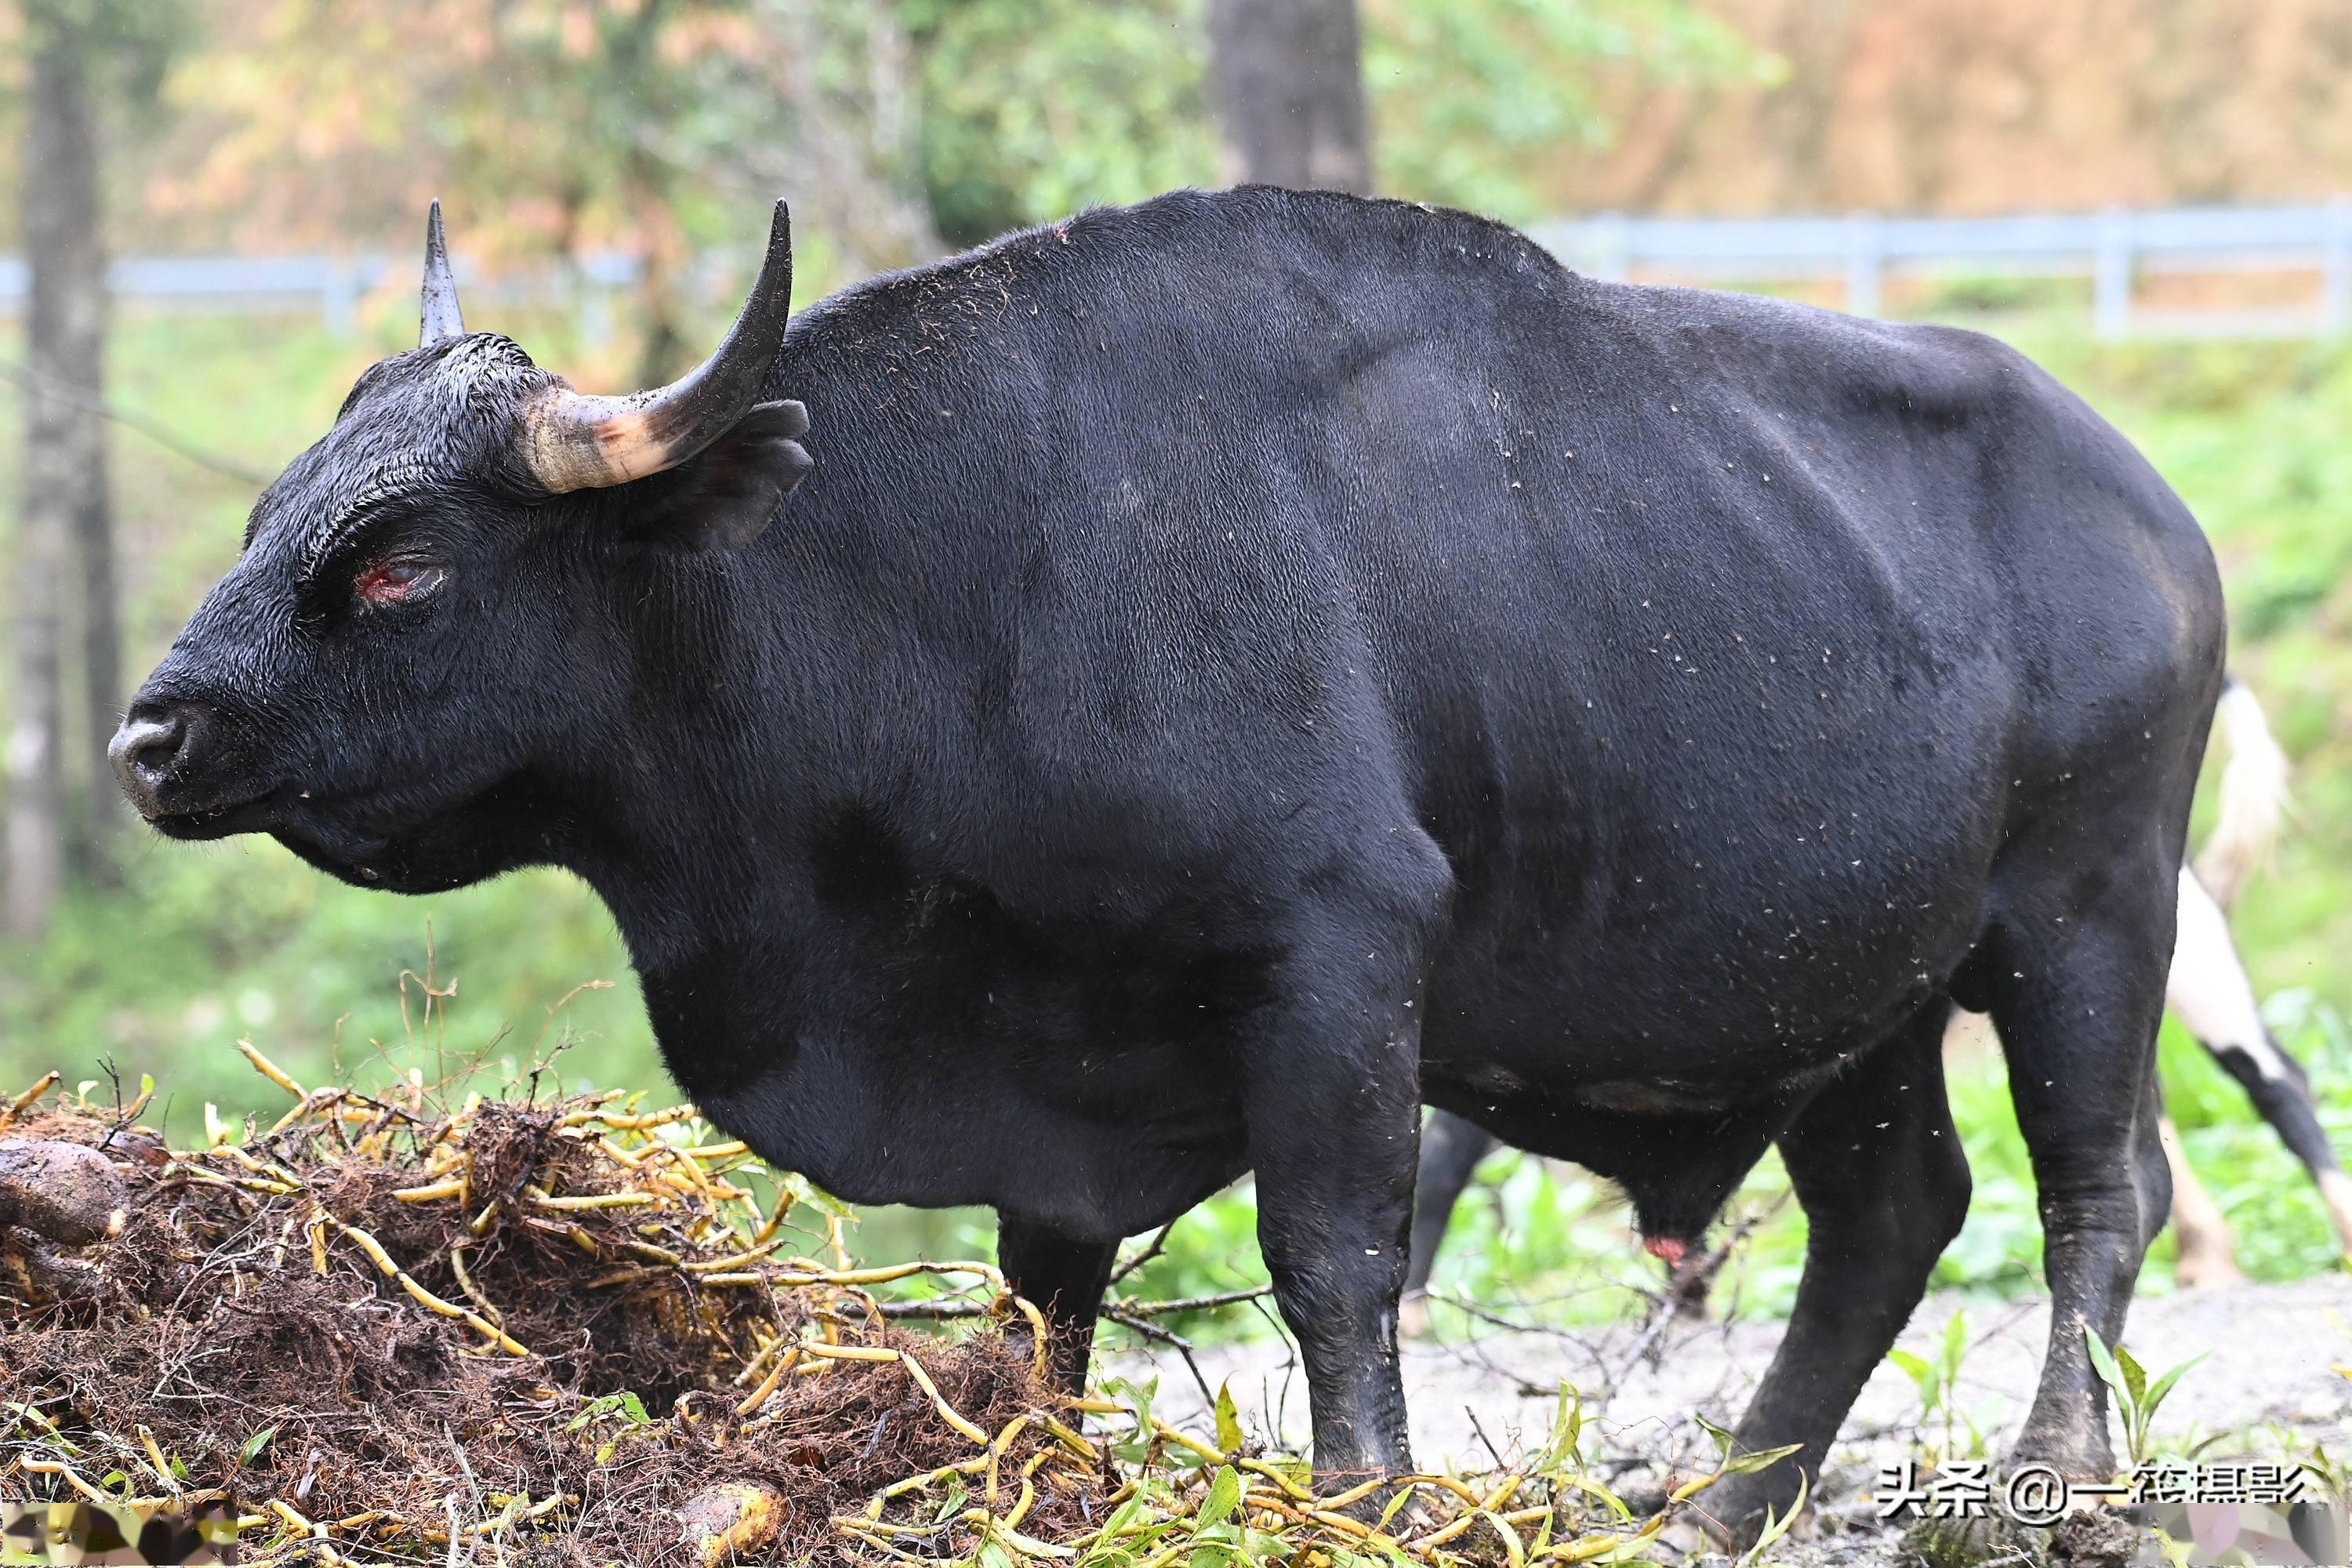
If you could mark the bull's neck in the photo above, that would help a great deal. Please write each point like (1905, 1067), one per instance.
(773, 693)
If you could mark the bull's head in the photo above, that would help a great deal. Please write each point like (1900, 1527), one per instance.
(376, 681)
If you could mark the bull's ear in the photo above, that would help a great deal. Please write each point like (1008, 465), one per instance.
(724, 496)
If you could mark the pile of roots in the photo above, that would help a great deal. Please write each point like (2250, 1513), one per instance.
(571, 1331)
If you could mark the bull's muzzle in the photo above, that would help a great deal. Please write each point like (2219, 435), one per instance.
(160, 755)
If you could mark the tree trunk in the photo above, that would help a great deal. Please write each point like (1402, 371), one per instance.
(103, 814)
(63, 500)
(1288, 83)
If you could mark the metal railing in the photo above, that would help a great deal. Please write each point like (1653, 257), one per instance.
(1863, 253)
(2114, 248)
(337, 286)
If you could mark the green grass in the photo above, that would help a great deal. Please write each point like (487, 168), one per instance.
(202, 945)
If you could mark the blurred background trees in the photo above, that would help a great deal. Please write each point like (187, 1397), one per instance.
(88, 66)
(558, 131)
(1288, 85)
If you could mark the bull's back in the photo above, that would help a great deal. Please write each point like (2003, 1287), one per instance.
(1686, 625)
(1733, 643)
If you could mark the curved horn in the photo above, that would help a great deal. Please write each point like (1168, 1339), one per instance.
(441, 318)
(572, 441)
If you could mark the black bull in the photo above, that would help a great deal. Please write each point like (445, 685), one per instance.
(1244, 666)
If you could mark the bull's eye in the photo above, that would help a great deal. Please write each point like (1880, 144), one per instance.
(396, 581)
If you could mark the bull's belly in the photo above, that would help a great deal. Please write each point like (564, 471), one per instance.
(1688, 1013)
(1650, 1067)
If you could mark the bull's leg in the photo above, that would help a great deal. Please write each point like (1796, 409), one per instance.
(2077, 992)
(1065, 1278)
(1451, 1149)
(1331, 1091)
(1875, 1162)
(2206, 1255)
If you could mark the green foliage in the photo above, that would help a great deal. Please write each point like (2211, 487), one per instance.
(622, 1406)
(1777, 1525)
(2136, 1399)
(125, 45)
(255, 1444)
(1036, 107)
(1468, 99)
(1212, 1249)
(1233, 1506)
(1031, 111)
(247, 942)
(1937, 1382)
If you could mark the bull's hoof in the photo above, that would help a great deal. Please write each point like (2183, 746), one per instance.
(2078, 1452)
(2337, 1188)
(1964, 1542)
(2095, 1538)
(1733, 1510)
(2086, 1538)
(1414, 1517)
(1688, 1538)
(2206, 1270)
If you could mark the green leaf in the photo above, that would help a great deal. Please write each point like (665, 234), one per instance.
(1567, 1431)
(1762, 1459)
(2134, 1378)
(1266, 1546)
(255, 1444)
(633, 1408)
(1139, 1394)
(1956, 1346)
(2105, 1365)
(1776, 1527)
(1722, 1435)
(1216, 1547)
(1917, 1369)
(805, 1191)
(1229, 1422)
(1593, 1489)
(1224, 1496)
(2164, 1384)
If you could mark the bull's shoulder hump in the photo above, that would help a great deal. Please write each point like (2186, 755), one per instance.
(1221, 242)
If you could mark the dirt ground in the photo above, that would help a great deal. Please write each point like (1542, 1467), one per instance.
(2267, 1386)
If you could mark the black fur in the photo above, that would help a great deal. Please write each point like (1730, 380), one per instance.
(1247, 664)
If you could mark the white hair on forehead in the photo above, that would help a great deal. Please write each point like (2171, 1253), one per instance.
(385, 482)
(393, 435)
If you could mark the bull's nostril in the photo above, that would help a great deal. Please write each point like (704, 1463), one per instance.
(147, 745)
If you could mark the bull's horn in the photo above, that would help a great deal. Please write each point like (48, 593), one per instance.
(441, 316)
(572, 441)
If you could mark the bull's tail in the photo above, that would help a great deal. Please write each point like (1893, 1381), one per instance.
(2253, 796)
